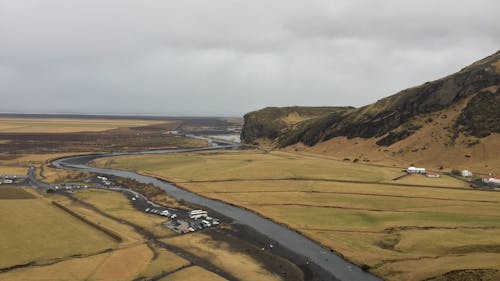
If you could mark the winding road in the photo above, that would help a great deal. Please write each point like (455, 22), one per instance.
(314, 254)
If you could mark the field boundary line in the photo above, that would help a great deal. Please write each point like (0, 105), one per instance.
(108, 232)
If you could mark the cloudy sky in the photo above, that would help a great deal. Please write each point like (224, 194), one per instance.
(229, 57)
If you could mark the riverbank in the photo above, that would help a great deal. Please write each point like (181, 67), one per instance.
(313, 255)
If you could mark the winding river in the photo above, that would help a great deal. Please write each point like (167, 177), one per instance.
(313, 253)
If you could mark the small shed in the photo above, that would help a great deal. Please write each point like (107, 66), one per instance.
(431, 174)
(466, 173)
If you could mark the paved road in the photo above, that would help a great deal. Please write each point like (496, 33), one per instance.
(315, 255)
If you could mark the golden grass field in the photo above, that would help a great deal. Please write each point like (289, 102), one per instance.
(65, 248)
(223, 256)
(192, 273)
(249, 166)
(118, 205)
(33, 230)
(67, 125)
(13, 170)
(402, 232)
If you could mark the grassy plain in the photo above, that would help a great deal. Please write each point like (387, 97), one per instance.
(67, 125)
(12, 170)
(442, 181)
(193, 273)
(34, 231)
(249, 166)
(356, 209)
(124, 264)
(10, 192)
(163, 261)
(223, 256)
(65, 248)
(51, 135)
(118, 206)
(71, 269)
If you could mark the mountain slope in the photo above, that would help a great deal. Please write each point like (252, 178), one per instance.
(455, 113)
(271, 122)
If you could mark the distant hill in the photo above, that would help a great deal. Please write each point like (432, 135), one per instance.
(272, 122)
(458, 114)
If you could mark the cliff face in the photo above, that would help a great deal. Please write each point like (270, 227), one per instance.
(271, 122)
(390, 120)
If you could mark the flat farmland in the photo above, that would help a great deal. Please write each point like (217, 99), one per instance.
(14, 193)
(23, 135)
(119, 206)
(67, 125)
(236, 262)
(49, 244)
(396, 229)
(12, 170)
(193, 273)
(239, 166)
(442, 181)
(34, 231)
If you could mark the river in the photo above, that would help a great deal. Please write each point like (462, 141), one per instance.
(312, 252)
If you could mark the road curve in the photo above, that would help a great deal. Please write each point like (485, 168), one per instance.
(335, 266)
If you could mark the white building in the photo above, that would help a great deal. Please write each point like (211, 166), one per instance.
(466, 173)
(414, 170)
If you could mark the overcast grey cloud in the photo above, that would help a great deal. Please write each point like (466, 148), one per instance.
(229, 57)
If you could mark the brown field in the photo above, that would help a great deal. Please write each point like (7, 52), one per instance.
(71, 269)
(193, 273)
(12, 170)
(222, 255)
(442, 181)
(15, 193)
(35, 231)
(119, 206)
(391, 226)
(29, 135)
(125, 264)
(68, 125)
(163, 261)
(239, 166)
(65, 248)
(52, 175)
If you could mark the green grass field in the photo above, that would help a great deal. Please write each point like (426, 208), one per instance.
(391, 226)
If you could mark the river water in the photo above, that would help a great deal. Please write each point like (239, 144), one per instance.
(337, 267)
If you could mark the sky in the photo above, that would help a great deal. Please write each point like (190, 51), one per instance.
(229, 57)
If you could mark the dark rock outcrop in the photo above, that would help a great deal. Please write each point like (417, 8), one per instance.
(386, 117)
